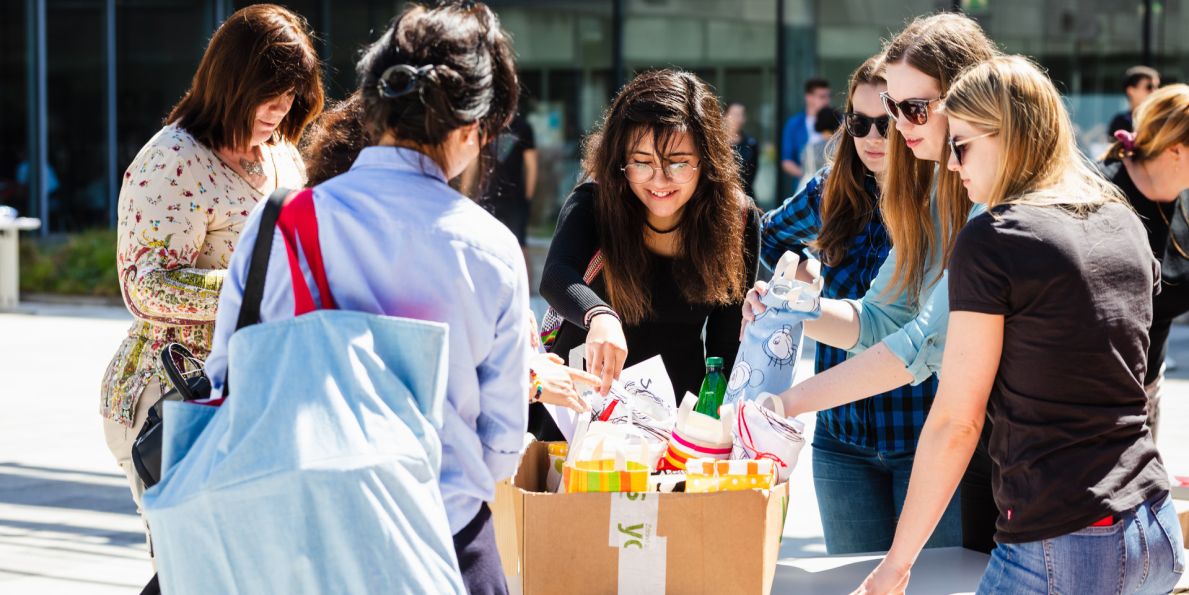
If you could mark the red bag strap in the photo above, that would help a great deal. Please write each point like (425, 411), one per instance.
(299, 225)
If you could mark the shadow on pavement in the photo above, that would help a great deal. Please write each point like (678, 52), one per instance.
(34, 490)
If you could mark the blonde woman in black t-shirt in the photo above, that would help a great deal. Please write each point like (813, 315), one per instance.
(1050, 303)
(1151, 167)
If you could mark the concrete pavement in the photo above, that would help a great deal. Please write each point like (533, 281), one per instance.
(67, 522)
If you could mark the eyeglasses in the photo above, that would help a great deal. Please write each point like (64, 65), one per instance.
(640, 173)
(957, 146)
(859, 126)
(916, 110)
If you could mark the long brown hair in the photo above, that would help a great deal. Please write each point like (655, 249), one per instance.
(941, 46)
(258, 54)
(846, 209)
(666, 103)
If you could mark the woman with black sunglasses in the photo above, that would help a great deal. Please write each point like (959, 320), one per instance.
(860, 469)
(896, 332)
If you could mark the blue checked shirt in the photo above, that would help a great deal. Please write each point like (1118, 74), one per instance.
(888, 422)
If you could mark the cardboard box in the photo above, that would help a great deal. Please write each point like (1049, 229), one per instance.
(725, 542)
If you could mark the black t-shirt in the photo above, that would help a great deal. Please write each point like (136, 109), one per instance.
(748, 152)
(1069, 434)
(674, 330)
(1154, 215)
(507, 184)
(1173, 299)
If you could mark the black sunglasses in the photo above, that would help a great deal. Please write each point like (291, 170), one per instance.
(859, 126)
(958, 147)
(916, 110)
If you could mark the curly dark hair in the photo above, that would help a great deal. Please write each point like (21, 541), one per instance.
(665, 103)
(334, 141)
(436, 70)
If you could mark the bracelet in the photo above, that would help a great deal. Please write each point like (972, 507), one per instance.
(597, 310)
(535, 384)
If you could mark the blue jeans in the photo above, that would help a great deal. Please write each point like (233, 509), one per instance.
(1141, 553)
(860, 492)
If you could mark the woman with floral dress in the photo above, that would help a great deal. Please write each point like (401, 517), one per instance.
(226, 146)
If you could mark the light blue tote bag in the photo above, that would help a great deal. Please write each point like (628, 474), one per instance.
(319, 474)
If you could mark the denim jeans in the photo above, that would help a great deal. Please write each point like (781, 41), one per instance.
(860, 492)
(1141, 553)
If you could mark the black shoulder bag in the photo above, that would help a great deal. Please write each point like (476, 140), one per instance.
(184, 371)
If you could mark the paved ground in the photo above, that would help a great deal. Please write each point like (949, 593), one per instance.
(67, 523)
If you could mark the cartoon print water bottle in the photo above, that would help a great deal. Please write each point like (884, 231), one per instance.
(767, 357)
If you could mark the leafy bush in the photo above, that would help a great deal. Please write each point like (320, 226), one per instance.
(76, 264)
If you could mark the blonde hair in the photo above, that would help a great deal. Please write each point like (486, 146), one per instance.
(940, 46)
(1161, 121)
(1040, 164)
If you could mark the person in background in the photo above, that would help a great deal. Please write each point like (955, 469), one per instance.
(678, 239)
(1138, 83)
(1050, 302)
(799, 130)
(746, 147)
(861, 457)
(185, 198)
(397, 240)
(334, 140)
(1151, 167)
(513, 181)
(814, 157)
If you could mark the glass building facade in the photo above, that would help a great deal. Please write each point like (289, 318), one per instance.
(84, 83)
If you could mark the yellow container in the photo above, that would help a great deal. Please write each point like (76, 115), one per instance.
(603, 476)
(709, 475)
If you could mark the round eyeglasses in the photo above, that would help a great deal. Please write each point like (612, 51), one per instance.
(640, 173)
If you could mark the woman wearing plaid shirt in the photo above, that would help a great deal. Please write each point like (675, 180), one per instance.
(863, 451)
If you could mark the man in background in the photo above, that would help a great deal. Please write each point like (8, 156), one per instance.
(747, 149)
(799, 130)
(1138, 84)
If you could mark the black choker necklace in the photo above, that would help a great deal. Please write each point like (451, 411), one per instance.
(661, 231)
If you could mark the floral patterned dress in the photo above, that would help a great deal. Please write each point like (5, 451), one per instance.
(181, 210)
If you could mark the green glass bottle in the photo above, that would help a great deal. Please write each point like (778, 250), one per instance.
(714, 388)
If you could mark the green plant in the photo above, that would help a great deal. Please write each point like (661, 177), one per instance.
(76, 264)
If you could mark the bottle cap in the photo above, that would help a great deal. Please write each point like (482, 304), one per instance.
(714, 362)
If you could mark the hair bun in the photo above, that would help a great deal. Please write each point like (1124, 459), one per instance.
(401, 79)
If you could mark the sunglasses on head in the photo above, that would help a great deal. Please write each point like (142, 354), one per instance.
(859, 126)
(914, 110)
(958, 147)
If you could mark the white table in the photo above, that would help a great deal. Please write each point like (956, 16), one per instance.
(10, 262)
(941, 571)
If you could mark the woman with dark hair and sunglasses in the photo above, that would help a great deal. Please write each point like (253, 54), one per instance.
(896, 332)
(861, 463)
(185, 197)
(677, 237)
(397, 240)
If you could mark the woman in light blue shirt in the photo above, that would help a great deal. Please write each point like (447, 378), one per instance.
(398, 240)
(896, 332)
